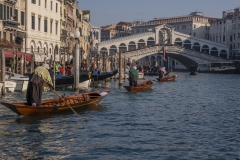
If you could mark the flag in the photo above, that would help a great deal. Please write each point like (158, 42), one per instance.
(164, 53)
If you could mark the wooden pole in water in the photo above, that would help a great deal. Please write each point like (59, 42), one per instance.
(64, 61)
(21, 65)
(76, 67)
(104, 62)
(120, 69)
(115, 66)
(32, 62)
(124, 66)
(2, 71)
(54, 68)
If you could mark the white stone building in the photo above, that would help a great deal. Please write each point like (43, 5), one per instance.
(43, 29)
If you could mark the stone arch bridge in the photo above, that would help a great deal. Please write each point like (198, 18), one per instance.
(184, 48)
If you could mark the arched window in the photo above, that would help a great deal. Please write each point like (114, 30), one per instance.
(31, 49)
(38, 49)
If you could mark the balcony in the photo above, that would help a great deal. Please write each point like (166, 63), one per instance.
(10, 24)
(11, 2)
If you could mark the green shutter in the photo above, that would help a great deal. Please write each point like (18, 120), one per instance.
(1, 9)
(16, 14)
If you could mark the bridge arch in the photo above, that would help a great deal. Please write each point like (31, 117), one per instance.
(196, 46)
(141, 44)
(112, 50)
(205, 49)
(146, 59)
(122, 47)
(132, 46)
(153, 60)
(103, 50)
(187, 44)
(150, 41)
(223, 54)
(178, 42)
(164, 35)
(214, 51)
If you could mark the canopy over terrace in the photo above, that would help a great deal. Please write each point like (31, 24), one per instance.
(9, 54)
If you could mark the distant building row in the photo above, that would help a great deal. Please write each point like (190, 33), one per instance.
(47, 26)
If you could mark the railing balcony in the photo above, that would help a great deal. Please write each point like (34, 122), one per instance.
(11, 2)
(10, 24)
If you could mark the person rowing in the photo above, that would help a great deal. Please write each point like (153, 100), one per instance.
(133, 76)
(39, 80)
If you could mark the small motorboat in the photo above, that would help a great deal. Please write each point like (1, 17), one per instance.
(193, 73)
(167, 78)
(141, 87)
(55, 105)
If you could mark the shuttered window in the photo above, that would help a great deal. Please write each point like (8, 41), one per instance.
(33, 21)
(1, 13)
(45, 25)
(22, 18)
(16, 14)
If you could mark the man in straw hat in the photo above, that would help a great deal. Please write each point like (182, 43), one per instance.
(39, 80)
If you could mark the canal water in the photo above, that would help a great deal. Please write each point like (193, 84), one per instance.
(194, 117)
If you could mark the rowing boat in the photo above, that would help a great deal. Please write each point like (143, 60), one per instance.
(167, 79)
(141, 87)
(55, 105)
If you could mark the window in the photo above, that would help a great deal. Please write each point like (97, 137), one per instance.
(56, 7)
(194, 34)
(22, 18)
(56, 28)
(39, 23)
(4, 12)
(51, 5)
(39, 2)
(4, 35)
(1, 14)
(45, 25)
(7, 12)
(11, 37)
(45, 3)
(31, 49)
(194, 26)
(64, 12)
(10, 11)
(34, 1)
(51, 26)
(33, 21)
(16, 14)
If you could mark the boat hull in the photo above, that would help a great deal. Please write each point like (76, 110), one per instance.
(141, 87)
(75, 101)
(167, 79)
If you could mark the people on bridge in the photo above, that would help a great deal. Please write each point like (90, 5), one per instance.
(133, 76)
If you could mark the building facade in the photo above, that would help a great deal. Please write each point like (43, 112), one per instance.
(235, 48)
(43, 29)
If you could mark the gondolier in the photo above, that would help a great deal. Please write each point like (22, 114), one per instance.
(39, 80)
(133, 76)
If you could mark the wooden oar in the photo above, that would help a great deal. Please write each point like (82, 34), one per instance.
(64, 102)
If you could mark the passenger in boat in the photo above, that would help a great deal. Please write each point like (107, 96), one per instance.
(162, 72)
(39, 80)
(192, 69)
(133, 76)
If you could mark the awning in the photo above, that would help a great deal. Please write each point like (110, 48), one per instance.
(9, 54)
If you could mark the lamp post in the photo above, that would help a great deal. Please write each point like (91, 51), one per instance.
(76, 60)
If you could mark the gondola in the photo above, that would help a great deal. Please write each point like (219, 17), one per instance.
(167, 78)
(55, 105)
(141, 87)
(104, 75)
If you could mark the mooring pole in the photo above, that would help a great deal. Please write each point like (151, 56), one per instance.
(2, 71)
(76, 67)
(124, 66)
(21, 65)
(120, 69)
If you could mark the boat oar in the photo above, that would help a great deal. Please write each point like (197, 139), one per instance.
(64, 102)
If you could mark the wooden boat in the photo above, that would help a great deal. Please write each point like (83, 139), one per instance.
(104, 75)
(193, 73)
(167, 79)
(141, 87)
(55, 105)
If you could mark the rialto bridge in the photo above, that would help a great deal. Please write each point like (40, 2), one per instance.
(184, 48)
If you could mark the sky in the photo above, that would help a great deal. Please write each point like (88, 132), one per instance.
(106, 12)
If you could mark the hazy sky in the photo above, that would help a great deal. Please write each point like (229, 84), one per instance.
(105, 12)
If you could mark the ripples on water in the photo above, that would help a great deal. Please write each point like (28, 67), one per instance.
(194, 117)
